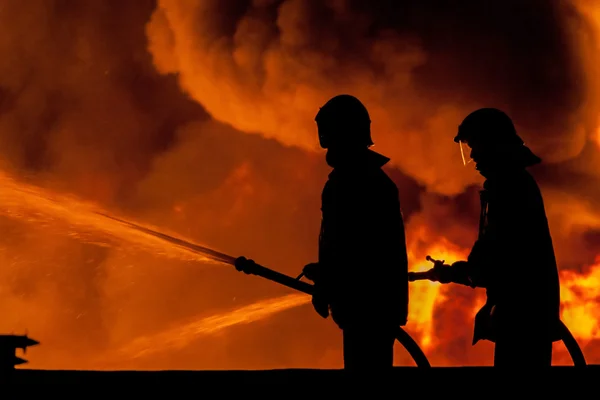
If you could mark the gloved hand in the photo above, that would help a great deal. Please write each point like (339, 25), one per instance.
(312, 271)
(319, 299)
(443, 273)
(465, 275)
(320, 303)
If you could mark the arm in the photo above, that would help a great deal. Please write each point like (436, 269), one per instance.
(474, 269)
(468, 273)
(463, 274)
(473, 272)
(506, 240)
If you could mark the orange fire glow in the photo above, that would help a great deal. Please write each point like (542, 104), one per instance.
(198, 118)
(579, 295)
(579, 290)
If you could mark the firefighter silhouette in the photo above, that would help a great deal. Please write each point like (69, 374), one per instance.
(513, 257)
(361, 276)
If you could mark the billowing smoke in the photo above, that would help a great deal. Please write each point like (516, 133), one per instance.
(419, 67)
(198, 117)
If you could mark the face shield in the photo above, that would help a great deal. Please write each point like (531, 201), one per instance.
(465, 152)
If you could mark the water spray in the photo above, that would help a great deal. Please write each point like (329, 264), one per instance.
(200, 250)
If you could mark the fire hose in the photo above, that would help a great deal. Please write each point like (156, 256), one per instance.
(565, 334)
(242, 264)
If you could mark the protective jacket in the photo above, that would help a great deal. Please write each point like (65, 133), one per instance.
(514, 260)
(362, 247)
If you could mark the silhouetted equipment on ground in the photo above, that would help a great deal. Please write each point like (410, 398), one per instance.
(8, 347)
(566, 336)
(250, 267)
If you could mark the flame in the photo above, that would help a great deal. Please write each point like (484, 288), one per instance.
(580, 295)
(426, 295)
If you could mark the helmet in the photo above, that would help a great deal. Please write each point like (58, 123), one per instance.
(488, 126)
(492, 129)
(344, 120)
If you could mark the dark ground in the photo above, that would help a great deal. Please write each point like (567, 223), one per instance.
(450, 380)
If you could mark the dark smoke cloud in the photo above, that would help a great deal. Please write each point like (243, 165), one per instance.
(79, 97)
(83, 109)
(419, 67)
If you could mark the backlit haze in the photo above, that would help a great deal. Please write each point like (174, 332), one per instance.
(197, 118)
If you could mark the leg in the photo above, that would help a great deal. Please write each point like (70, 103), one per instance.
(517, 352)
(368, 348)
